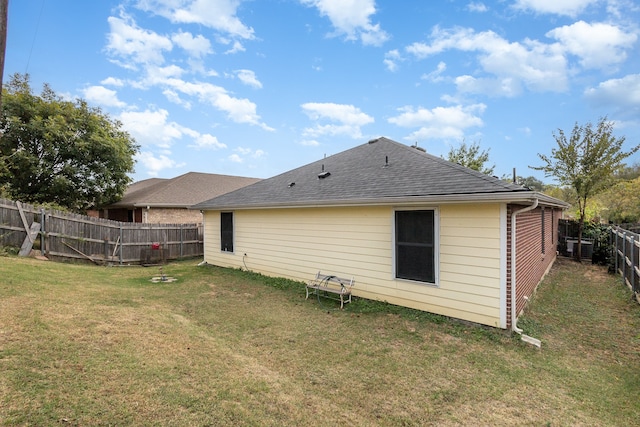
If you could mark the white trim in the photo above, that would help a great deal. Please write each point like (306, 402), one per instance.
(233, 232)
(436, 244)
(503, 265)
(516, 197)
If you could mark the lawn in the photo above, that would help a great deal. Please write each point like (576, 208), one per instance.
(88, 345)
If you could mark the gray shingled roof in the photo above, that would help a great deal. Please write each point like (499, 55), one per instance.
(181, 191)
(380, 171)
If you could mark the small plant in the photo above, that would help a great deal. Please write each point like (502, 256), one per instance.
(8, 251)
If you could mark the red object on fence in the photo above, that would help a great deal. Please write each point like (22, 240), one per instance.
(155, 246)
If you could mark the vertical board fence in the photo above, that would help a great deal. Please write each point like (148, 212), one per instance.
(70, 236)
(626, 247)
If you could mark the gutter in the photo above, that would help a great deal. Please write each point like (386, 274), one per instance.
(514, 314)
(515, 197)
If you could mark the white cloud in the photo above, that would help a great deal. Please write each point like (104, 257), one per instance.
(112, 81)
(436, 75)
(133, 43)
(477, 7)
(597, 45)
(239, 110)
(349, 119)
(174, 97)
(535, 65)
(151, 127)
(236, 158)
(391, 60)
(249, 152)
(249, 78)
(197, 46)
(352, 18)
(207, 141)
(439, 122)
(158, 75)
(103, 96)
(623, 93)
(154, 164)
(219, 15)
(235, 48)
(557, 7)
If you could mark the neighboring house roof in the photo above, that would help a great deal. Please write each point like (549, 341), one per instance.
(381, 171)
(182, 191)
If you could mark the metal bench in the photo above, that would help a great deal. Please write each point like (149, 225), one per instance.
(325, 284)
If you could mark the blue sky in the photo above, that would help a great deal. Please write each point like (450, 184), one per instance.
(258, 87)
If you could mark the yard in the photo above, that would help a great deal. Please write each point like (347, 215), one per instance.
(88, 345)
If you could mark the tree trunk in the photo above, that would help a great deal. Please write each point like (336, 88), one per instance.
(580, 228)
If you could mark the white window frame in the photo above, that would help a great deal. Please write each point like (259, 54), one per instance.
(233, 232)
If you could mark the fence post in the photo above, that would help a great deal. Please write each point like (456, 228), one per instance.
(181, 240)
(624, 258)
(43, 231)
(634, 282)
(614, 232)
(106, 250)
(121, 244)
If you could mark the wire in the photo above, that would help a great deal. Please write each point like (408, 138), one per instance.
(26, 70)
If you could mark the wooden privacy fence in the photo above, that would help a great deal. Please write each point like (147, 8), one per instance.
(626, 247)
(67, 235)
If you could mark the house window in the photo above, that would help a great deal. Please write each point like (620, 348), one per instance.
(226, 231)
(543, 230)
(415, 245)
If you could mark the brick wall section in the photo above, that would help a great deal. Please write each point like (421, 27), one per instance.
(172, 216)
(535, 251)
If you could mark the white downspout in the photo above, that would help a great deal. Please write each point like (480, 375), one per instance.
(514, 314)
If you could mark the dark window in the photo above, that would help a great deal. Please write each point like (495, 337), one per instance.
(415, 245)
(543, 230)
(226, 231)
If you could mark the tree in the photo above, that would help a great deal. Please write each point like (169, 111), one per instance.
(471, 157)
(629, 173)
(622, 201)
(61, 152)
(530, 182)
(586, 162)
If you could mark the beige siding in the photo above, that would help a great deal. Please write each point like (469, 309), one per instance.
(358, 242)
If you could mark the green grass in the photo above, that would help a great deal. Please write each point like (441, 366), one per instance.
(88, 345)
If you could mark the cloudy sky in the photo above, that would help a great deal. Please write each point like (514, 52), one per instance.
(258, 87)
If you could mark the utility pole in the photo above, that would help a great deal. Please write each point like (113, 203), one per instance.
(4, 9)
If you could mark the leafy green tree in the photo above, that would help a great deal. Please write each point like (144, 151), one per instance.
(61, 152)
(587, 161)
(622, 201)
(629, 173)
(530, 182)
(471, 157)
